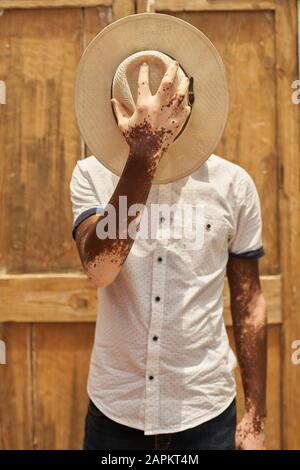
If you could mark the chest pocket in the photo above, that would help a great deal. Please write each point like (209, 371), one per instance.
(203, 248)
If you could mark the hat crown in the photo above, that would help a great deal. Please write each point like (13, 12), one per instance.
(144, 34)
(125, 80)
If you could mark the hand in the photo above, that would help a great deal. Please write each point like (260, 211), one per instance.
(250, 433)
(158, 118)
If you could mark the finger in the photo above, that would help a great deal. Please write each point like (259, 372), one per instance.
(183, 86)
(168, 79)
(186, 111)
(181, 93)
(143, 81)
(181, 116)
(120, 110)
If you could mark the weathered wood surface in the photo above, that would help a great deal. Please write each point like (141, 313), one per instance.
(288, 152)
(206, 5)
(73, 298)
(43, 384)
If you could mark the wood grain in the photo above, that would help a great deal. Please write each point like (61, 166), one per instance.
(62, 354)
(24, 4)
(206, 5)
(289, 151)
(43, 383)
(122, 8)
(245, 41)
(95, 19)
(40, 142)
(73, 298)
(16, 388)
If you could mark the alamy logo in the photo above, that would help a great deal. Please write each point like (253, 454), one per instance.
(179, 221)
(2, 352)
(2, 92)
(296, 94)
(296, 354)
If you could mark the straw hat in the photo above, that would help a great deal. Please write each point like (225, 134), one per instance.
(109, 68)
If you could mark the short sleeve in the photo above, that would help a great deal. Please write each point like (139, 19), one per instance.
(83, 197)
(247, 239)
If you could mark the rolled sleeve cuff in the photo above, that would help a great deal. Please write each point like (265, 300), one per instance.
(84, 215)
(252, 254)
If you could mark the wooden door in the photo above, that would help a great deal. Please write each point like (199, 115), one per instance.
(48, 307)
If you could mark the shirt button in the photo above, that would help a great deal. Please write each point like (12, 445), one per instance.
(159, 259)
(157, 298)
(155, 338)
(151, 377)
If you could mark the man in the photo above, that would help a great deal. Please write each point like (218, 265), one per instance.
(161, 373)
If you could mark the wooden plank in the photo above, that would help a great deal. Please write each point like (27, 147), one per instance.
(289, 151)
(39, 138)
(48, 298)
(170, 5)
(95, 19)
(16, 389)
(245, 41)
(73, 298)
(62, 354)
(122, 8)
(273, 425)
(24, 4)
(205, 5)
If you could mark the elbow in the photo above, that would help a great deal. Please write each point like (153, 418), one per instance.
(101, 272)
(100, 278)
(99, 282)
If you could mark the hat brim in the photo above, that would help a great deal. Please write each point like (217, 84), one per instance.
(200, 60)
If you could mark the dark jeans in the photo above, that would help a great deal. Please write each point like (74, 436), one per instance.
(102, 433)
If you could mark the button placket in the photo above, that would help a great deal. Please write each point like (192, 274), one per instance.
(156, 321)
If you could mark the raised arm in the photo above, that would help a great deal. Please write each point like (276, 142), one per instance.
(149, 132)
(248, 309)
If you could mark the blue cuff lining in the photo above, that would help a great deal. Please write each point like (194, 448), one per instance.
(249, 254)
(84, 215)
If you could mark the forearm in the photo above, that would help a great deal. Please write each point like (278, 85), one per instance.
(102, 257)
(149, 132)
(250, 332)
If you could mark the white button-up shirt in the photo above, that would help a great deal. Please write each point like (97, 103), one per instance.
(161, 360)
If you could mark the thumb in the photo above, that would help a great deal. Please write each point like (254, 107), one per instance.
(120, 110)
